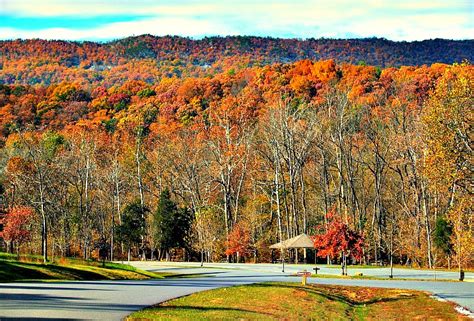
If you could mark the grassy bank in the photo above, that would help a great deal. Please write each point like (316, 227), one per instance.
(291, 301)
(30, 268)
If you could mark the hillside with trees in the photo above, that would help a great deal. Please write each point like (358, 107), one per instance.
(228, 148)
(149, 58)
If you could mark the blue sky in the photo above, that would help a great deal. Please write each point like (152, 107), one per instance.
(112, 19)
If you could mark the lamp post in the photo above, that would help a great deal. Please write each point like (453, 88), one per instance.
(283, 259)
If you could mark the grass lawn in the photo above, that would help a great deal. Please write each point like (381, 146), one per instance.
(30, 269)
(291, 301)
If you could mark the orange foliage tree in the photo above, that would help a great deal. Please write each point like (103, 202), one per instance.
(238, 241)
(18, 223)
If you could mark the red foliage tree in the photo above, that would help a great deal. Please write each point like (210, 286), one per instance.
(339, 240)
(238, 241)
(17, 225)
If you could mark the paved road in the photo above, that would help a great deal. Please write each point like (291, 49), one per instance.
(113, 300)
(382, 272)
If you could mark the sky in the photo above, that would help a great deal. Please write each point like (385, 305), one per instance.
(112, 19)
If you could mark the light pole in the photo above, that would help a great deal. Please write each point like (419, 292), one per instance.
(283, 259)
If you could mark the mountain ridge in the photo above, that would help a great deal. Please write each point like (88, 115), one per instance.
(373, 51)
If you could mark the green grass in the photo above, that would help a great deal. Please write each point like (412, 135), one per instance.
(22, 257)
(31, 268)
(291, 301)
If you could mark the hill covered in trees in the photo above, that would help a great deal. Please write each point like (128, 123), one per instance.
(115, 142)
(150, 58)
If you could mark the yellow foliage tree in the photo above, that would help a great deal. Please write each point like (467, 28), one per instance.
(448, 119)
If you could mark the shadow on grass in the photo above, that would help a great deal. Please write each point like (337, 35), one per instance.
(14, 271)
(10, 271)
(76, 273)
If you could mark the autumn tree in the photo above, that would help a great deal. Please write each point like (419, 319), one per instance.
(448, 119)
(80, 167)
(238, 242)
(32, 171)
(228, 131)
(206, 227)
(339, 240)
(18, 225)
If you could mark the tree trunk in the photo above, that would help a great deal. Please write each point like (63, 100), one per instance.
(303, 202)
(427, 225)
(44, 229)
(391, 250)
(277, 196)
(140, 182)
(112, 238)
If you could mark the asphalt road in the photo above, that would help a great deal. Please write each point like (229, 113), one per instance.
(381, 272)
(113, 300)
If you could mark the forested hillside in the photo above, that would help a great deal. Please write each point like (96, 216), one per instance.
(150, 58)
(227, 145)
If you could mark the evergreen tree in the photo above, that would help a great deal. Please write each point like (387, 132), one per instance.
(172, 224)
(442, 237)
(132, 228)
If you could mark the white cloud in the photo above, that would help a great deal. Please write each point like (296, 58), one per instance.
(161, 26)
(397, 20)
(192, 7)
